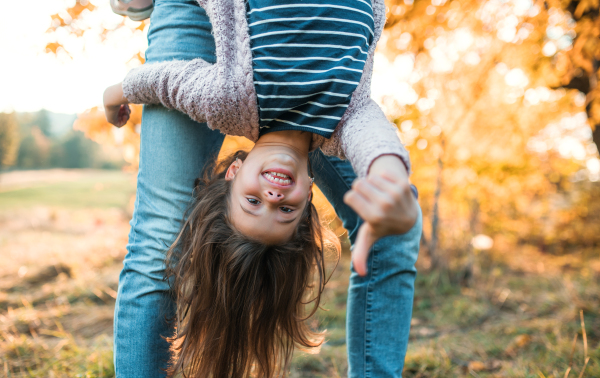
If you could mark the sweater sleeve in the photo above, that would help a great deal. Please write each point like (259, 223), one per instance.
(367, 135)
(180, 85)
(220, 94)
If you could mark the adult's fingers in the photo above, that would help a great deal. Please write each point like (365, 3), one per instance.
(360, 252)
(386, 185)
(391, 175)
(366, 189)
(360, 204)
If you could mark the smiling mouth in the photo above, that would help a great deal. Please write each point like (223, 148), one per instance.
(277, 178)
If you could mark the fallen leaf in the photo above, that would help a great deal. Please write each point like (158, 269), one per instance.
(477, 366)
(490, 365)
(519, 342)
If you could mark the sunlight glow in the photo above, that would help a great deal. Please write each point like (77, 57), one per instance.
(571, 137)
(482, 242)
(32, 79)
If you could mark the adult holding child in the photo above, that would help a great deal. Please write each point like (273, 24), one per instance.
(255, 95)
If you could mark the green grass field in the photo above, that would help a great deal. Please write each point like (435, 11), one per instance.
(93, 189)
(62, 242)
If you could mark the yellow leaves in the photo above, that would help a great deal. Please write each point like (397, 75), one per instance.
(138, 57)
(73, 13)
(67, 20)
(594, 112)
(233, 144)
(583, 6)
(476, 366)
(81, 5)
(143, 25)
(518, 343)
(481, 138)
(52, 47)
(57, 21)
(127, 138)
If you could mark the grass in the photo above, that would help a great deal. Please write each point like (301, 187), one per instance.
(92, 189)
(62, 256)
(512, 323)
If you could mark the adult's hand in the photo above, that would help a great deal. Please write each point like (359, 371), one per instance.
(385, 202)
(116, 108)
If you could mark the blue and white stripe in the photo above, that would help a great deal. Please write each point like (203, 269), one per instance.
(308, 58)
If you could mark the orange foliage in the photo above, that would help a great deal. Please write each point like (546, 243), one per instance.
(93, 124)
(53, 47)
(73, 21)
(486, 121)
(79, 7)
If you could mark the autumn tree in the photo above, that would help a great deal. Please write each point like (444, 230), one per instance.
(9, 139)
(77, 21)
(495, 143)
(487, 96)
(578, 67)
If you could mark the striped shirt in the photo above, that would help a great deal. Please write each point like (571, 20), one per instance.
(308, 58)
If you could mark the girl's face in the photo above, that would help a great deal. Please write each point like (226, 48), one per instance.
(270, 191)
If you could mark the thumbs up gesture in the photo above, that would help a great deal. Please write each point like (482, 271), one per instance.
(385, 202)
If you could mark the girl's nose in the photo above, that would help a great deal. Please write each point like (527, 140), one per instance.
(273, 196)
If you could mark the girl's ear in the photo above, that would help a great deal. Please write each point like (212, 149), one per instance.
(310, 190)
(233, 169)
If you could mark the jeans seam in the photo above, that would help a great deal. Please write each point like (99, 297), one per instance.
(368, 314)
(134, 232)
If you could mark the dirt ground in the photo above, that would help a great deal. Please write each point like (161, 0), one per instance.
(62, 241)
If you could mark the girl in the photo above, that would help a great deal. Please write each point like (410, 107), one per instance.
(243, 300)
(270, 185)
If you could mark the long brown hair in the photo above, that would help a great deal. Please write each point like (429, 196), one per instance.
(242, 306)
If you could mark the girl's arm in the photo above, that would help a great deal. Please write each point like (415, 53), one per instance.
(366, 135)
(382, 195)
(220, 94)
(186, 86)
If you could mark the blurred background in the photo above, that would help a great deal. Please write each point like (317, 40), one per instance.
(497, 102)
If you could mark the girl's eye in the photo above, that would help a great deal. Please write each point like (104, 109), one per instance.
(286, 209)
(253, 201)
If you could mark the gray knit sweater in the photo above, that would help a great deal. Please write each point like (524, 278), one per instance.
(223, 94)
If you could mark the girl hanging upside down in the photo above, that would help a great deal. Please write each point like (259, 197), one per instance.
(293, 77)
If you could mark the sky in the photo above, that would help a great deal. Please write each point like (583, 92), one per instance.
(31, 79)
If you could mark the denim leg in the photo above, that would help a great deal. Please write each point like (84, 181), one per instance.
(379, 306)
(179, 30)
(174, 150)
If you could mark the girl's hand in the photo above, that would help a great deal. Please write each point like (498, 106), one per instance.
(385, 202)
(116, 106)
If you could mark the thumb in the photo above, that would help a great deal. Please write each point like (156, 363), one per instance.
(360, 253)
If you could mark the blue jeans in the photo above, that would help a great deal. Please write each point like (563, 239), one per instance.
(174, 150)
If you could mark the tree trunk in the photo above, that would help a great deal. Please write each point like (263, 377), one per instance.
(436, 262)
(472, 269)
